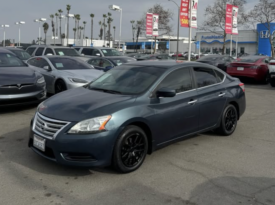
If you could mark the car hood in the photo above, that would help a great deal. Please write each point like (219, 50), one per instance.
(80, 104)
(16, 75)
(85, 74)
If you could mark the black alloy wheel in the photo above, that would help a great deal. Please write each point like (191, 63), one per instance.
(130, 149)
(229, 121)
(60, 86)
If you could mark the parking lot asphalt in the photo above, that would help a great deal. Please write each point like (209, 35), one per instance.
(204, 170)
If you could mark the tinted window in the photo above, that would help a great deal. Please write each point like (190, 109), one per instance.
(220, 76)
(33, 62)
(119, 61)
(205, 77)
(250, 59)
(179, 81)
(110, 52)
(87, 51)
(66, 52)
(30, 50)
(96, 53)
(23, 55)
(69, 64)
(39, 52)
(94, 62)
(41, 63)
(9, 60)
(128, 79)
(49, 51)
(210, 58)
(77, 49)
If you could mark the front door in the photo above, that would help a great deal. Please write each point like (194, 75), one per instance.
(176, 116)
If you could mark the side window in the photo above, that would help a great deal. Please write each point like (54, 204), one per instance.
(94, 62)
(105, 63)
(96, 52)
(32, 62)
(30, 50)
(264, 60)
(87, 51)
(205, 77)
(39, 52)
(41, 63)
(49, 51)
(77, 49)
(220, 76)
(179, 80)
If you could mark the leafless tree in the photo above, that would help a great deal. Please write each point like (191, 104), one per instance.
(264, 12)
(215, 17)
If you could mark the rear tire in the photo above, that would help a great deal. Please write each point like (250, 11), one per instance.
(130, 149)
(60, 86)
(229, 121)
(272, 82)
(266, 79)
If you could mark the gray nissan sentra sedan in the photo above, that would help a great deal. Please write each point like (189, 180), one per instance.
(134, 109)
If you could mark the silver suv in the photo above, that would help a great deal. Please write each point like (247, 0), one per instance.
(42, 50)
(98, 51)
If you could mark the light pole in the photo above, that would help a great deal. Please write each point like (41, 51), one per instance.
(19, 23)
(39, 21)
(5, 26)
(117, 8)
(178, 34)
(66, 30)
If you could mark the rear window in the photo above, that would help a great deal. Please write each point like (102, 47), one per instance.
(23, 55)
(69, 64)
(66, 52)
(249, 59)
(210, 58)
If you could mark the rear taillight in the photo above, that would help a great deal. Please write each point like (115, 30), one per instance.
(242, 86)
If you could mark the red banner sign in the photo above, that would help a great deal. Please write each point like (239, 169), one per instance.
(228, 19)
(149, 24)
(184, 13)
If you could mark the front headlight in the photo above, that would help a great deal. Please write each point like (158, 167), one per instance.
(90, 126)
(40, 80)
(76, 80)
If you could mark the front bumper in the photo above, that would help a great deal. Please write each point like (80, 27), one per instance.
(92, 150)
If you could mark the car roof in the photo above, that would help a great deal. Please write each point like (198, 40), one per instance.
(92, 47)
(53, 56)
(46, 46)
(13, 48)
(4, 50)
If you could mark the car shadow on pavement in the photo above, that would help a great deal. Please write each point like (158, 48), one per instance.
(235, 190)
(14, 148)
(14, 109)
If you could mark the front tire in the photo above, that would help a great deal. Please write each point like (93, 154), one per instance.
(272, 82)
(130, 149)
(60, 86)
(229, 121)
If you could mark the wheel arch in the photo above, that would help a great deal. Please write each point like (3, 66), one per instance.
(236, 105)
(59, 79)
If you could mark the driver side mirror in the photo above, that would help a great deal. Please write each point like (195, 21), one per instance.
(47, 68)
(166, 92)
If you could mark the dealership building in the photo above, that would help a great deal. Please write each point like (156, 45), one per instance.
(248, 41)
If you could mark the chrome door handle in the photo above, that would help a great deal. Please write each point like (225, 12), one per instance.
(222, 94)
(192, 102)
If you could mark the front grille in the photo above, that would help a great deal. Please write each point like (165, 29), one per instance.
(19, 86)
(47, 127)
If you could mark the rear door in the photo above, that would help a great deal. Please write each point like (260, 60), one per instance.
(39, 51)
(211, 96)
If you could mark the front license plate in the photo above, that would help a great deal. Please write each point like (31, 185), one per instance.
(39, 143)
(240, 68)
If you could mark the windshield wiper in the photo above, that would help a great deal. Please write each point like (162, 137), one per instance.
(106, 90)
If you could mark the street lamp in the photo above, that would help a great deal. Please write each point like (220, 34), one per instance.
(178, 29)
(117, 8)
(39, 21)
(19, 23)
(5, 26)
(66, 30)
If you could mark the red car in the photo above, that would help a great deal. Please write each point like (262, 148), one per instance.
(255, 67)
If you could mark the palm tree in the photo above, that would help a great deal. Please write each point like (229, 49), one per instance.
(53, 29)
(132, 22)
(68, 12)
(80, 29)
(101, 30)
(60, 14)
(114, 36)
(56, 24)
(92, 26)
(46, 28)
(63, 36)
(74, 29)
(104, 18)
(109, 21)
(84, 23)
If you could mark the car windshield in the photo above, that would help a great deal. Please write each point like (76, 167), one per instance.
(66, 52)
(210, 58)
(111, 52)
(23, 55)
(69, 64)
(8, 60)
(249, 59)
(127, 79)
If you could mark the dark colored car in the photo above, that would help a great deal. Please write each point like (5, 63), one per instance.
(19, 84)
(255, 67)
(217, 60)
(134, 109)
(155, 57)
(19, 53)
